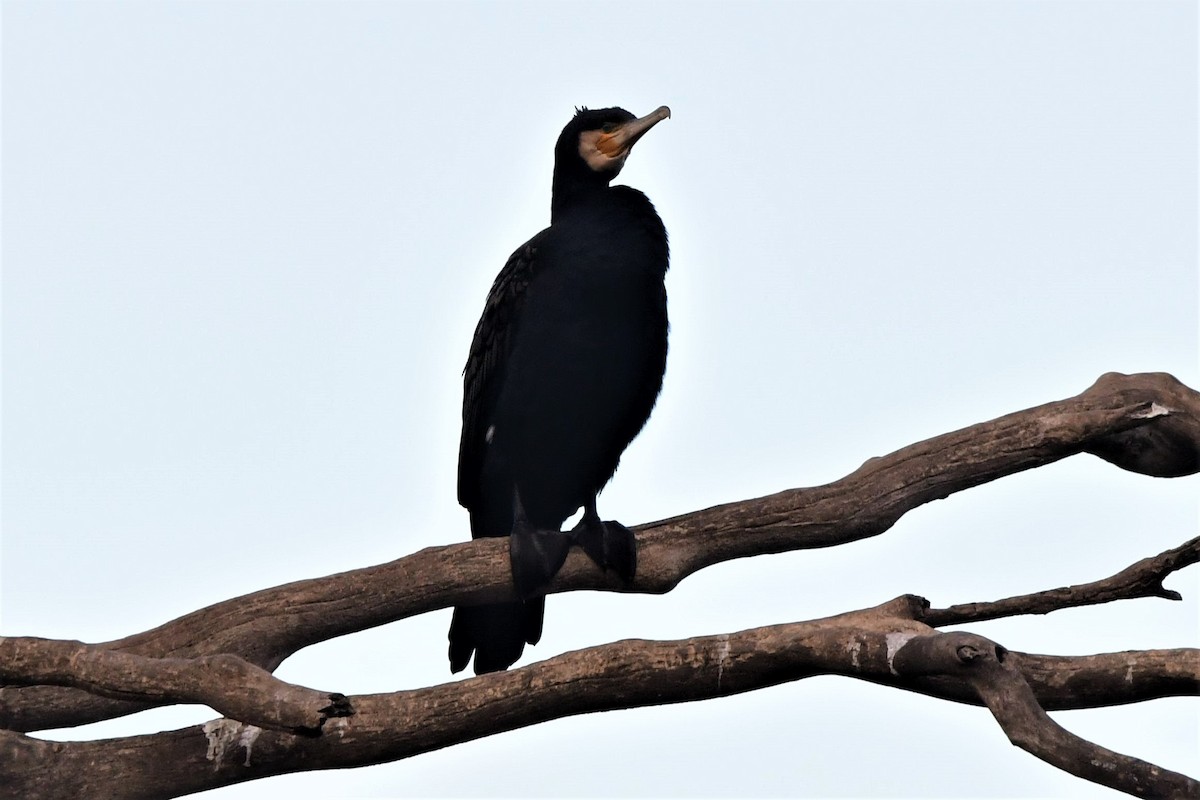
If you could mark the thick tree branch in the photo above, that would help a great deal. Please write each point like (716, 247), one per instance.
(1065, 683)
(1143, 579)
(1132, 676)
(266, 627)
(984, 665)
(223, 682)
(863, 644)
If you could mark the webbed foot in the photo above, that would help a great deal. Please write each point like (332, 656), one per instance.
(610, 544)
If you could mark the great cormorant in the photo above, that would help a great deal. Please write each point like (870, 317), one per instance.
(565, 366)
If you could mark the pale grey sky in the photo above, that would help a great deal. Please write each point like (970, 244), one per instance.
(245, 245)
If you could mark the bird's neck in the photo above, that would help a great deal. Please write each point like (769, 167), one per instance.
(567, 193)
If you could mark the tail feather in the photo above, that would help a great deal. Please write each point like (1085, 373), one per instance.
(496, 634)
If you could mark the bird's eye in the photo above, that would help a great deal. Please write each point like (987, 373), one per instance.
(608, 127)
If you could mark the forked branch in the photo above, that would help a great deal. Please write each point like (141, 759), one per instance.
(1001, 686)
(223, 682)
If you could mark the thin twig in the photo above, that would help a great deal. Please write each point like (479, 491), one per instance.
(1143, 579)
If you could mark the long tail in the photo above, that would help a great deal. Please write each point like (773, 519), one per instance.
(496, 634)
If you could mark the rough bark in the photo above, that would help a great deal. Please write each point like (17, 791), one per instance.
(223, 682)
(222, 655)
(1001, 686)
(873, 644)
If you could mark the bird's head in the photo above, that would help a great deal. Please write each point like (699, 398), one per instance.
(598, 141)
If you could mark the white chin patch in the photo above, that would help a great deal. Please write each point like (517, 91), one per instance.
(595, 158)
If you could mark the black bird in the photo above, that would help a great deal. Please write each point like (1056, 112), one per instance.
(565, 367)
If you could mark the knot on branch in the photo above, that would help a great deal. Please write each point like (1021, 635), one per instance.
(968, 653)
(945, 654)
(1165, 439)
(339, 706)
(906, 606)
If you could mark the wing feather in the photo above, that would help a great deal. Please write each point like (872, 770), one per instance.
(486, 363)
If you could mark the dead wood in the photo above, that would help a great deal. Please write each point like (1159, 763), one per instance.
(223, 655)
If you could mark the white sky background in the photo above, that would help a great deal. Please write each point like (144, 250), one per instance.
(245, 246)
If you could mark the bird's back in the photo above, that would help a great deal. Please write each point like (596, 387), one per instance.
(585, 361)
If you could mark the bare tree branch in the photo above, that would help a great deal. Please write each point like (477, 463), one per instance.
(863, 644)
(1133, 676)
(983, 664)
(1143, 579)
(1147, 423)
(266, 627)
(223, 682)
(1065, 683)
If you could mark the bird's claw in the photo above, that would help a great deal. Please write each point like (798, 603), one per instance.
(610, 544)
(536, 556)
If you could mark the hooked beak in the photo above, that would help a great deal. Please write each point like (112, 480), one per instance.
(618, 143)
